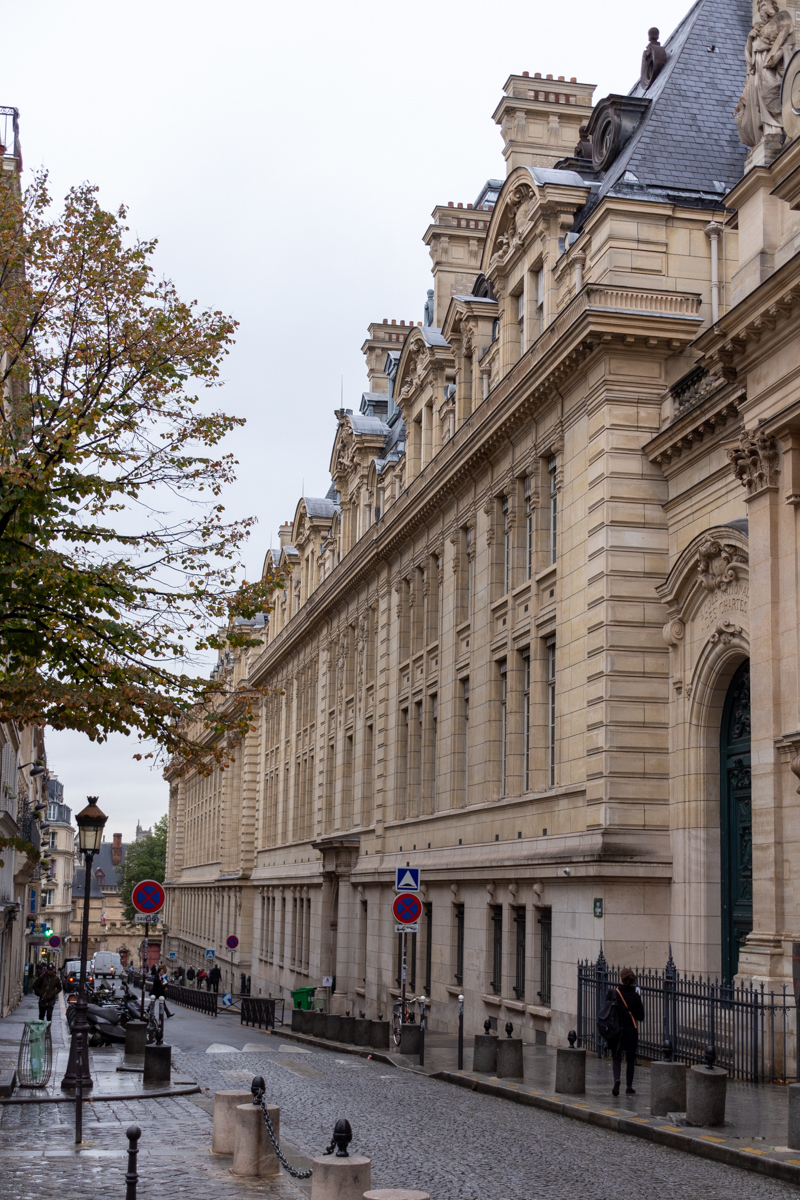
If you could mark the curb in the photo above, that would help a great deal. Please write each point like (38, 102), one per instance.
(339, 1047)
(754, 1159)
(186, 1090)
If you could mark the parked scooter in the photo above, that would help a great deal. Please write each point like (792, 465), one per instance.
(107, 1021)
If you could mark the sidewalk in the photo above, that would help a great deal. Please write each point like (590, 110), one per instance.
(756, 1120)
(105, 1064)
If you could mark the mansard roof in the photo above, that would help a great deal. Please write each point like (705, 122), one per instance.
(686, 144)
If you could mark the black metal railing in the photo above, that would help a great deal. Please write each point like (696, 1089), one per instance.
(204, 1002)
(752, 1031)
(262, 1011)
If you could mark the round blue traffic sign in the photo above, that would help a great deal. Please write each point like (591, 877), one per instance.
(407, 908)
(148, 897)
(55, 942)
(232, 942)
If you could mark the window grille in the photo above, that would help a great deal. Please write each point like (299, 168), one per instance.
(496, 982)
(545, 954)
(519, 962)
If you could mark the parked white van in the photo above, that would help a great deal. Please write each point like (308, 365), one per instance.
(106, 962)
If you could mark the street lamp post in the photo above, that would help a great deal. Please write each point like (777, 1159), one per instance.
(90, 822)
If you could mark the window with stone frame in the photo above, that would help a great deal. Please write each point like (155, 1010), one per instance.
(496, 948)
(550, 650)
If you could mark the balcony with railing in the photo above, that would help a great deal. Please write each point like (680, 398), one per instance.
(9, 134)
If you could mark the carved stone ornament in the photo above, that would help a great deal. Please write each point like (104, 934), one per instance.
(654, 59)
(770, 45)
(755, 462)
(673, 632)
(725, 632)
(716, 564)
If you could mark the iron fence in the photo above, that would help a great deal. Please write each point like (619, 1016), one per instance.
(753, 1032)
(262, 1010)
(204, 1002)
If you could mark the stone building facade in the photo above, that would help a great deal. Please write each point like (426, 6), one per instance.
(514, 645)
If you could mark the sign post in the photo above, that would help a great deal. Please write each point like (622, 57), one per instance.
(232, 942)
(147, 897)
(406, 909)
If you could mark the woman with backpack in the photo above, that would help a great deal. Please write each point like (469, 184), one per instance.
(621, 1017)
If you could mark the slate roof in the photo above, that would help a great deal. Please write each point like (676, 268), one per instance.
(687, 142)
(433, 336)
(102, 862)
(370, 425)
(320, 506)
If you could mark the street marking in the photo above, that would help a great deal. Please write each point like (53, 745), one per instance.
(671, 1128)
(752, 1150)
(576, 1105)
(706, 1137)
(641, 1120)
(221, 1048)
(612, 1112)
(794, 1161)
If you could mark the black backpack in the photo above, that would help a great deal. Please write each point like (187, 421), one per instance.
(609, 1025)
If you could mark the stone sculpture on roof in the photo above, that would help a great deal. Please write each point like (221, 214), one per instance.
(427, 319)
(770, 45)
(654, 59)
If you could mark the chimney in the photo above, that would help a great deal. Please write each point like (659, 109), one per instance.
(285, 533)
(116, 849)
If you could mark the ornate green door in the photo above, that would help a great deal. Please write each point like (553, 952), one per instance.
(736, 842)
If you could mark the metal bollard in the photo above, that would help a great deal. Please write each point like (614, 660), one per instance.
(133, 1133)
(461, 1033)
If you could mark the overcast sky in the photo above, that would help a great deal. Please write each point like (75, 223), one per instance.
(287, 157)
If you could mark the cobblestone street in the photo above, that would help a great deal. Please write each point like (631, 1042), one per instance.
(420, 1132)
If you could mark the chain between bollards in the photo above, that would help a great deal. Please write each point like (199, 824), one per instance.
(133, 1133)
(257, 1088)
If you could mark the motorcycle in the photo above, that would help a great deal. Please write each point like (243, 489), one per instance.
(107, 1021)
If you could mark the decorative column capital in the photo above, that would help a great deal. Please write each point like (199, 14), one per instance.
(755, 462)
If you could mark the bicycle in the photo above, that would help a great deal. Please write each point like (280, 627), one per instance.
(402, 1017)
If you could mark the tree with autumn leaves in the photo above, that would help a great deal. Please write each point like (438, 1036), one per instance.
(118, 566)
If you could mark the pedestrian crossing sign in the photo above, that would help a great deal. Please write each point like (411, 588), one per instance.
(407, 879)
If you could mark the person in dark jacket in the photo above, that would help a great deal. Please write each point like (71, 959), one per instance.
(631, 1014)
(190, 977)
(158, 989)
(214, 976)
(46, 988)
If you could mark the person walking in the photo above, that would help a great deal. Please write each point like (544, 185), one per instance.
(630, 1009)
(190, 977)
(46, 988)
(201, 978)
(159, 989)
(214, 976)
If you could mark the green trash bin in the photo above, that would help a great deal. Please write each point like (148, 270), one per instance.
(302, 997)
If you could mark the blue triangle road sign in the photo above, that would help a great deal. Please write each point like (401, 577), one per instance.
(407, 879)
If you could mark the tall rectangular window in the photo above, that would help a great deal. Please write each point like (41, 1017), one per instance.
(401, 778)
(362, 943)
(526, 720)
(459, 964)
(434, 746)
(528, 528)
(506, 546)
(545, 954)
(551, 474)
(368, 777)
(550, 645)
(503, 665)
(519, 956)
(465, 754)
(428, 917)
(521, 320)
(496, 982)
(470, 551)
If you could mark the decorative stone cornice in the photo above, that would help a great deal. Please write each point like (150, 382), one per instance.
(755, 462)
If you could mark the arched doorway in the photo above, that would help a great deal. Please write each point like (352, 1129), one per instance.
(736, 842)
